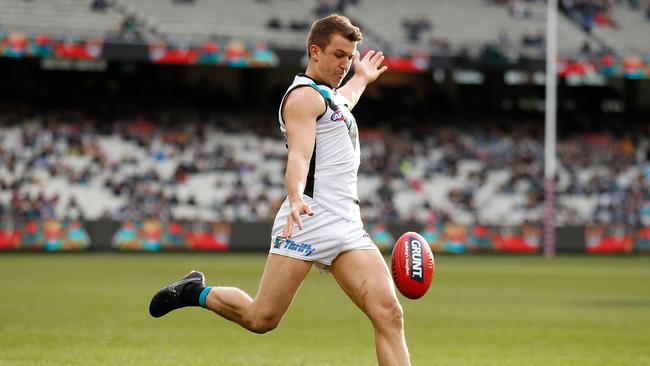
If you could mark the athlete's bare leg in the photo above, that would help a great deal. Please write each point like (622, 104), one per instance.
(364, 277)
(279, 284)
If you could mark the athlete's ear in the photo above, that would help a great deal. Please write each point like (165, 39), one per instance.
(313, 51)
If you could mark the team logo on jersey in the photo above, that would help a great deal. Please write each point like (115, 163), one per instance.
(338, 116)
(277, 242)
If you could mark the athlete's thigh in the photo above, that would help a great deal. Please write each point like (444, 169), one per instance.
(364, 276)
(280, 282)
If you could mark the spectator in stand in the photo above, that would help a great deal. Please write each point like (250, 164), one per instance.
(519, 9)
(98, 5)
(342, 5)
(327, 7)
(414, 27)
(588, 13)
(274, 23)
(585, 51)
(129, 29)
(533, 40)
(299, 25)
(324, 8)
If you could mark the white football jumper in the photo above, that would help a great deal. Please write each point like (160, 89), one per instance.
(331, 188)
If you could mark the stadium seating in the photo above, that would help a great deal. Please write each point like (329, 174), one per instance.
(238, 176)
(630, 36)
(244, 20)
(465, 23)
(235, 175)
(61, 18)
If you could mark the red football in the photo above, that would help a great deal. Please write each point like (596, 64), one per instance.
(412, 265)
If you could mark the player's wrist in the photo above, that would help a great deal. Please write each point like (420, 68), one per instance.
(360, 80)
(294, 201)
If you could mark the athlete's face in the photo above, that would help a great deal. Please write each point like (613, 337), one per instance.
(334, 62)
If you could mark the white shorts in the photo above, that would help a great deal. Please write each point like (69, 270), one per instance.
(323, 236)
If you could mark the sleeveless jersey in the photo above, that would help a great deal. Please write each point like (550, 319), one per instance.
(332, 177)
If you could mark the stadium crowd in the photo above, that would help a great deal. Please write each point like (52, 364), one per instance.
(70, 166)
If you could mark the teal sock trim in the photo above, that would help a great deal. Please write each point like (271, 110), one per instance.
(204, 295)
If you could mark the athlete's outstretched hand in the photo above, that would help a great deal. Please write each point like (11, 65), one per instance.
(297, 209)
(369, 67)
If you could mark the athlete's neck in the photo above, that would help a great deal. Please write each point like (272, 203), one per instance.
(312, 74)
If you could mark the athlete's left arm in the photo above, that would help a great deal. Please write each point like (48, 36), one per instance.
(366, 71)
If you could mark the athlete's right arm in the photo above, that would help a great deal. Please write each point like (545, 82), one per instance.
(301, 110)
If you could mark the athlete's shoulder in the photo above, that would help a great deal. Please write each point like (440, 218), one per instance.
(304, 101)
(306, 94)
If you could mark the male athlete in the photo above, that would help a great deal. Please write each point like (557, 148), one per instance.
(321, 181)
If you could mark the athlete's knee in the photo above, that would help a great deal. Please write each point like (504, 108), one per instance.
(262, 323)
(387, 315)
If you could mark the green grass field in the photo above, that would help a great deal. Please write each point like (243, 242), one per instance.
(481, 310)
